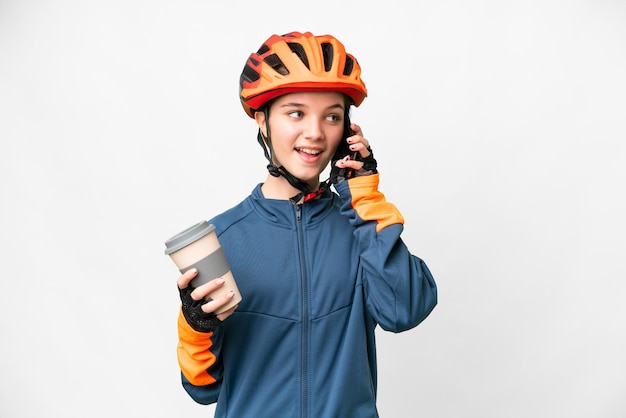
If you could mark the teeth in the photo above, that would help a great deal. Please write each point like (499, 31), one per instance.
(309, 151)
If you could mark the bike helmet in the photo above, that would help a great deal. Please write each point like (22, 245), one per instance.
(298, 62)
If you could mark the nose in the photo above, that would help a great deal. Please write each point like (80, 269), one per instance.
(313, 130)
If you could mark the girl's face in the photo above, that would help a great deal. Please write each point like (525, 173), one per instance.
(305, 130)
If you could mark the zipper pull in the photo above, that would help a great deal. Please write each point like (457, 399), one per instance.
(299, 211)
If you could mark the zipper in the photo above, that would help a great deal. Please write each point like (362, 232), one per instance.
(304, 282)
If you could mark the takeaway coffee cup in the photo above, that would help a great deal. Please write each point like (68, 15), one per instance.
(197, 246)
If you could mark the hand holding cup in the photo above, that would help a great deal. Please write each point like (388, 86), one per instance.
(202, 293)
(197, 250)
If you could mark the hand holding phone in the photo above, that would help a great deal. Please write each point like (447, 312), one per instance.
(342, 151)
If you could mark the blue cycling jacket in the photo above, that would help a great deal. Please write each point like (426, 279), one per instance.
(316, 279)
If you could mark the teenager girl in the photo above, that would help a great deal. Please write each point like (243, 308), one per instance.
(319, 269)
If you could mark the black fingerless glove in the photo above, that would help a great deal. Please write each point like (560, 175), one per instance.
(369, 165)
(193, 313)
(338, 174)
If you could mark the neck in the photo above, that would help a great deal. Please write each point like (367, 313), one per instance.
(279, 188)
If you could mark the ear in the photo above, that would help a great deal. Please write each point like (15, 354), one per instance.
(259, 117)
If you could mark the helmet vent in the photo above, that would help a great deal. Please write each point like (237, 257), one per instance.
(275, 62)
(299, 51)
(249, 75)
(327, 52)
(264, 48)
(347, 70)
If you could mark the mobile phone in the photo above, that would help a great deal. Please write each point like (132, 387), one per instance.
(344, 149)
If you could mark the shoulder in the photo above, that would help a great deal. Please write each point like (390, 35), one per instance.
(232, 216)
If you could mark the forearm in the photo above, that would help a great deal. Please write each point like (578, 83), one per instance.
(197, 355)
(399, 287)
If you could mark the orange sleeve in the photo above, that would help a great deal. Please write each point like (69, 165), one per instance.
(194, 353)
(370, 204)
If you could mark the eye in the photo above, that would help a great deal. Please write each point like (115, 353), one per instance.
(333, 118)
(296, 114)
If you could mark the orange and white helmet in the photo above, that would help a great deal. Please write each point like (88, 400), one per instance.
(298, 62)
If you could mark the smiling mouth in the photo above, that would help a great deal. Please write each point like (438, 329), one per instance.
(309, 151)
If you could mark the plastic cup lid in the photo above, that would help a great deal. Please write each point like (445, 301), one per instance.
(189, 235)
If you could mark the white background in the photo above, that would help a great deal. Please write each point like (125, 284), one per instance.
(499, 127)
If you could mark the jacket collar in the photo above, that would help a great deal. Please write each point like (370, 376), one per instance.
(283, 212)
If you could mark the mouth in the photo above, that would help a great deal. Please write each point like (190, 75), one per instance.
(309, 155)
(309, 151)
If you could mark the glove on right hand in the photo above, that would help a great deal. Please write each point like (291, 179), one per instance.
(193, 313)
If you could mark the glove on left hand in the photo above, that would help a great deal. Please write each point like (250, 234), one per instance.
(369, 165)
(339, 174)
